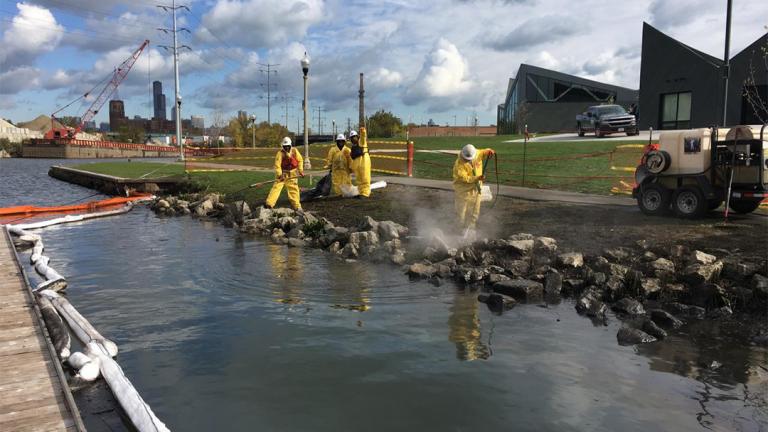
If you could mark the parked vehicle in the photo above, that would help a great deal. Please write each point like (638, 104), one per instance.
(694, 171)
(606, 119)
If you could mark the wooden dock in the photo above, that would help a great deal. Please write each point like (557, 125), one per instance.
(34, 395)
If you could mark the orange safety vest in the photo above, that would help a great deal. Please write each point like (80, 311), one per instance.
(290, 162)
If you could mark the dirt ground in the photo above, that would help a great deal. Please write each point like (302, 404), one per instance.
(584, 228)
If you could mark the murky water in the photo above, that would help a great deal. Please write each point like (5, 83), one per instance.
(219, 331)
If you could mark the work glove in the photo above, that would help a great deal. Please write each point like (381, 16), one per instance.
(491, 153)
(481, 178)
(281, 177)
(301, 174)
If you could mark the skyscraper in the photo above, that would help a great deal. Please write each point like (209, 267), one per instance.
(159, 100)
(116, 114)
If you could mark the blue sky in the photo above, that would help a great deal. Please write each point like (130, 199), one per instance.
(442, 59)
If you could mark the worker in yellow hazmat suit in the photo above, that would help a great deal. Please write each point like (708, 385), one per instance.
(468, 178)
(361, 162)
(289, 166)
(338, 161)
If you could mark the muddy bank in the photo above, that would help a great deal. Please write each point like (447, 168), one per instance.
(652, 287)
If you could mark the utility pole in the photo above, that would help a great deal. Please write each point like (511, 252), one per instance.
(173, 8)
(285, 100)
(269, 71)
(727, 61)
(361, 103)
(319, 120)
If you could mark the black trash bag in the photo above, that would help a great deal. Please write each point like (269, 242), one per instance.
(322, 188)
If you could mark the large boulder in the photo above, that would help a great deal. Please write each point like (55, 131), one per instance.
(631, 336)
(651, 287)
(653, 329)
(349, 251)
(497, 302)
(698, 273)
(516, 267)
(665, 319)
(520, 247)
(701, 258)
(553, 283)
(238, 211)
(618, 255)
(368, 224)
(521, 289)
(203, 208)
(389, 230)
(366, 242)
(663, 265)
(628, 306)
(687, 311)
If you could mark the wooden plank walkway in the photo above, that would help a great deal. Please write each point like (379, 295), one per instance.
(33, 394)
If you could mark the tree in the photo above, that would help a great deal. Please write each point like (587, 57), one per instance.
(131, 133)
(384, 124)
(757, 95)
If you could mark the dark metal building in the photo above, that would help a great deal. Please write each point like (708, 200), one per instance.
(158, 100)
(681, 87)
(548, 101)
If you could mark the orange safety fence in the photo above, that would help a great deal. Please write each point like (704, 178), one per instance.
(89, 206)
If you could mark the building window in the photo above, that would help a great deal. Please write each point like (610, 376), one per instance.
(676, 110)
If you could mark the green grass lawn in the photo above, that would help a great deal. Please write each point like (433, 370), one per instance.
(234, 184)
(572, 166)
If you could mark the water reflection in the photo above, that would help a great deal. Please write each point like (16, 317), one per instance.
(350, 285)
(288, 273)
(464, 328)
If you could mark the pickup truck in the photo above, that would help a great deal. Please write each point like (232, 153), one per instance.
(606, 119)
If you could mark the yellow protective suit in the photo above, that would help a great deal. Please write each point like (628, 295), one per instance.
(338, 161)
(291, 183)
(466, 185)
(362, 166)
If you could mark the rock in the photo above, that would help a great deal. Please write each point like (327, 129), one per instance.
(628, 306)
(421, 271)
(469, 274)
(720, 313)
(521, 236)
(296, 242)
(483, 297)
(617, 255)
(571, 259)
(697, 274)
(151, 188)
(499, 302)
(389, 230)
(337, 234)
(597, 278)
(494, 278)
(602, 264)
(648, 256)
(618, 271)
(688, 311)
(708, 296)
(614, 289)
(735, 269)
(653, 329)
(651, 287)
(364, 241)
(436, 281)
(702, 258)
(630, 336)
(553, 283)
(368, 224)
(335, 248)
(202, 209)
(574, 285)
(349, 251)
(161, 203)
(296, 233)
(590, 304)
(520, 247)
(663, 264)
(515, 267)
(238, 211)
(307, 218)
(286, 223)
(398, 257)
(545, 245)
(664, 319)
(521, 289)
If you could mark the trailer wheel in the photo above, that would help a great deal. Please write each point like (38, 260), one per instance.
(654, 199)
(689, 202)
(745, 206)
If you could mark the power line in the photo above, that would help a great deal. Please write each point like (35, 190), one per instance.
(269, 71)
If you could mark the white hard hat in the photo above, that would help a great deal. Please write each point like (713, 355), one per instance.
(340, 137)
(352, 134)
(468, 152)
(286, 142)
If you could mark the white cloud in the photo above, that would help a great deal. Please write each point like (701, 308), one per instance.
(33, 31)
(666, 13)
(537, 31)
(259, 23)
(123, 30)
(383, 78)
(19, 79)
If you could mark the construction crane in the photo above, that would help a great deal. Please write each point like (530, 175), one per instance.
(106, 92)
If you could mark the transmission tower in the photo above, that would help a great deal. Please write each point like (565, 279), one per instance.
(175, 50)
(267, 69)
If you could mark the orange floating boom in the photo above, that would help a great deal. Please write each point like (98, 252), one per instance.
(89, 206)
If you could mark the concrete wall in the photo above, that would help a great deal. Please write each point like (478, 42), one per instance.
(65, 151)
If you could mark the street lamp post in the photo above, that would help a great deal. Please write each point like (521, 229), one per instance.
(305, 69)
(253, 131)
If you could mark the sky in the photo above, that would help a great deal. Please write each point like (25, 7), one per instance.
(446, 60)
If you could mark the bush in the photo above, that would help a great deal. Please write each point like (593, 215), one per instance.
(14, 149)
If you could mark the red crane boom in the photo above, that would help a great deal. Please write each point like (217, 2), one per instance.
(119, 75)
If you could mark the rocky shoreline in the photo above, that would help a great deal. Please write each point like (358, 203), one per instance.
(652, 290)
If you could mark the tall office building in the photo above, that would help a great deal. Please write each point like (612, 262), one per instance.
(159, 100)
(116, 114)
(198, 122)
